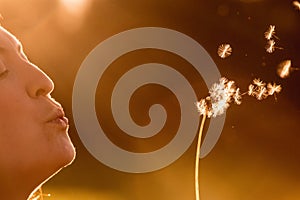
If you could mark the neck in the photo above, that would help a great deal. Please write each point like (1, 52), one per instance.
(17, 187)
(15, 192)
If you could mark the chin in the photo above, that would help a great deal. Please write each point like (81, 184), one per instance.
(62, 161)
(62, 155)
(68, 155)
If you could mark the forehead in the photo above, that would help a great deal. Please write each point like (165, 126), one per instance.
(7, 39)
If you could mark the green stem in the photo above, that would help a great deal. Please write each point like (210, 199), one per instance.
(198, 158)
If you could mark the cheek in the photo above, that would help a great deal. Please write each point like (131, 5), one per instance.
(13, 106)
(21, 136)
(35, 148)
(25, 140)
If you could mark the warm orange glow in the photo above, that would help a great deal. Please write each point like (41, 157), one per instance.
(75, 7)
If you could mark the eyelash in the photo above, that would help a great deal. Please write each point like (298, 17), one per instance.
(4, 73)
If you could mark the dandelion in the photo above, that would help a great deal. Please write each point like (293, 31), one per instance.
(296, 4)
(270, 32)
(224, 50)
(221, 94)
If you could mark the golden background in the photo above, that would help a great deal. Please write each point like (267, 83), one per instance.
(258, 153)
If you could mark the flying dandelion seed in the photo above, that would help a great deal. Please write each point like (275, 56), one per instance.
(224, 50)
(284, 69)
(270, 48)
(258, 82)
(270, 32)
(262, 93)
(251, 90)
(223, 93)
(260, 90)
(296, 4)
(273, 88)
(237, 97)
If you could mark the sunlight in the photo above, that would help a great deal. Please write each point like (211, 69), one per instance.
(75, 7)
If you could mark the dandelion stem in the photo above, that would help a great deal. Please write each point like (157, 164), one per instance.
(198, 158)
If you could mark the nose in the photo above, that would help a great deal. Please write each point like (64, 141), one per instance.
(38, 83)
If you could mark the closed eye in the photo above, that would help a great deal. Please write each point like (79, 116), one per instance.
(3, 70)
(4, 74)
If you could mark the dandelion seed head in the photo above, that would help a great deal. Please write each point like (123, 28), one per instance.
(221, 91)
(296, 4)
(284, 68)
(202, 107)
(221, 94)
(270, 32)
(219, 97)
(270, 48)
(230, 87)
(219, 107)
(224, 50)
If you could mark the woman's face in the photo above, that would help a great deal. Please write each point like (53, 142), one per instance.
(34, 137)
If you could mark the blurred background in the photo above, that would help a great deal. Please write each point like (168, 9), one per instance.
(258, 153)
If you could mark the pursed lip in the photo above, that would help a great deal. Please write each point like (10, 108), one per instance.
(57, 117)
